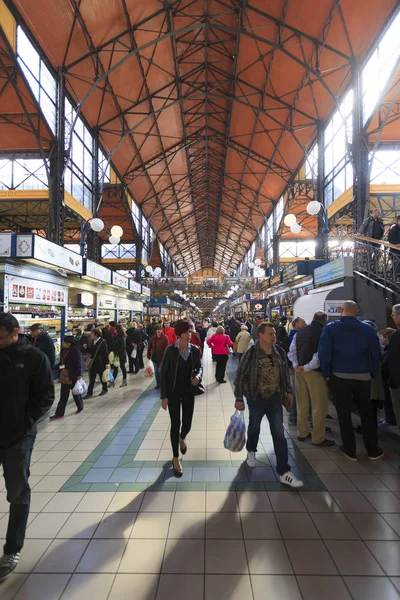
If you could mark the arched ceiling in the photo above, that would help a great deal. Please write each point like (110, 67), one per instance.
(206, 106)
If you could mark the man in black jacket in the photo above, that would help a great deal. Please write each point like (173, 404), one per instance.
(311, 388)
(43, 342)
(27, 393)
(394, 238)
(282, 338)
(133, 341)
(394, 364)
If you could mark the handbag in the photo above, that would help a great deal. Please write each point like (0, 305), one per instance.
(89, 362)
(64, 377)
(235, 346)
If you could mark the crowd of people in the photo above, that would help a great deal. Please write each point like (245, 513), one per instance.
(282, 364)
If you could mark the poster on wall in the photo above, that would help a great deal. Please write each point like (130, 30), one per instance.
(154, 311)
(36, 292)
(333, 308)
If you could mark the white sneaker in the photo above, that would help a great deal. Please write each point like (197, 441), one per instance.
(289, 479)
(251, 459)
(8, 562)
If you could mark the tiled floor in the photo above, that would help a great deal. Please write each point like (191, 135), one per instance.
(108, 520)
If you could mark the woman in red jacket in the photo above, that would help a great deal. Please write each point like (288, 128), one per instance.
(220, 344)
(155, 352)
(195, 339)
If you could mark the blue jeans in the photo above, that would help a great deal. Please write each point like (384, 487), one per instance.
(272, 408)
(16, 461)
(157, 371)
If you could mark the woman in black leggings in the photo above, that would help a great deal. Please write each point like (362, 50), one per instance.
(181, 369)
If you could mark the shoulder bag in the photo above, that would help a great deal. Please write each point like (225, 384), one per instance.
(89, 362)
(198, 389)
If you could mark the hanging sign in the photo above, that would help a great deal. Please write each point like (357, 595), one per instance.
(97, 272)
(34, 246)
(120, 280)
(134, 286)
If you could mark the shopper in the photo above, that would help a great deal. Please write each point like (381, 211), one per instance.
(311, 388)
(119, 349)
(220, 344)
(113, 328)
(202, 334)
(373, 226)
(234, 329)
(195, 339)
(390, 417)
(41, 340)
(282, 338)
(99, 362)
(155, 352)
(169, 332)
(350, 355)
(107, 336)
(242, 341)
(141, 345)
(133, 340)
(181, 369)
(394, 238)
(71, 370)
(27, 393)
(297, 324)
(263, 377)
(394, 363)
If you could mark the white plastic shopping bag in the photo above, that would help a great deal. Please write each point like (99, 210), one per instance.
(235, 437)
(80, 387)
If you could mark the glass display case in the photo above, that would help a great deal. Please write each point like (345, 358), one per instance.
(50, 317)
(80, 317)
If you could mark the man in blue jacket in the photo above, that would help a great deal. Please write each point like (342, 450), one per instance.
(349, 355)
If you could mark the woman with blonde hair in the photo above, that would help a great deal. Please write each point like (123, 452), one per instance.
(220, 344)
(242, 341)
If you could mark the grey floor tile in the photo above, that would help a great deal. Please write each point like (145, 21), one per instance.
(223, 526)
(334, 527)
(372, 526)
(267, 557)
(396, 582)
(123, 475)
(319, 502)
(367, 482)
(226, 557)
(394, 521)
(286, 502)
(138, 586)
(150, 475)
(352, 502)
(275, 586)
(233, 474)
(296, 526)
(228, 587)
(98, 475)
(115, 525)
(353, 558)
(388, 555)
(43, 586)
(185, 525)
(328, 588)
(142, 556)
(181, 587)
(184, 556)
(261, 474)
(391, 480)
(102, 556)
(371, 588)
(254, 502)
(260, 526)
(384, 501)
(338, 483)
(310, 557)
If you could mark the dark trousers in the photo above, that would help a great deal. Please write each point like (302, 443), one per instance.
(64, 395)
(140, 363)
(16, 462)
(345, 392)
(133, 364)
(388, 405)
(123, 369)
(174, 407)
(92, 379)
(157, 371)
(220, 367)
(272, 408)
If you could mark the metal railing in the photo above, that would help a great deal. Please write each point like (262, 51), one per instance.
(380, 261)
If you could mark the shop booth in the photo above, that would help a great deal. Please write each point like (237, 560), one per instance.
(36, 290)
(336, 282)
(164, 308)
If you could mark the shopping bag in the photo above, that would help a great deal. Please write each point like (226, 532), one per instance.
(235, 437)
(149, 371)
(107, 376)
(134, 353)
(116, 361)
(80, 387)
(111, 358)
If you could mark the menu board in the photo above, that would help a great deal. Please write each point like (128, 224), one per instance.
(96, 271)
(134, 286)
(34, 246)
(146, 291)
(104, 301)
(36, 292)
(120, 280)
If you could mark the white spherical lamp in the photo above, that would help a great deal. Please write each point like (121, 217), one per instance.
(295, 228)
(114, 240)
(117, 231)
(157, 271)
(257, 262)
(252, 265)
(290, 220)
(149, 269)
(313, 207)
(97, 225)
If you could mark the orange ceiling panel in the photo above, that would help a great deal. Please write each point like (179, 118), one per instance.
(210, 106)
